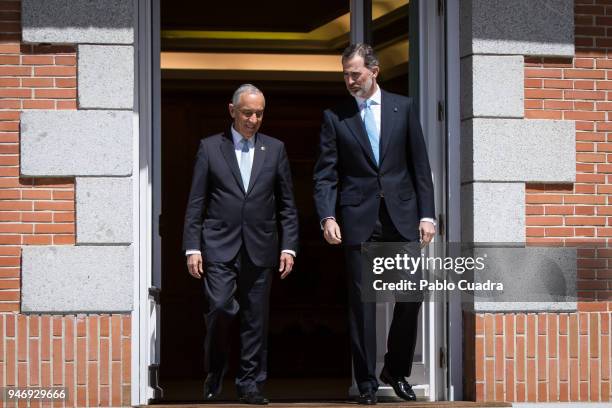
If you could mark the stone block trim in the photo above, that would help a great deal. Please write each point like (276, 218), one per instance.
(517, 150)
(492, 86)
(84, 143)
(497, 146)
(33, 211)
(88, 354)
(517, 27)
(67, 279)
(539, 357)
(533, 278)
(103, 215)
(106, 77)
(76, 143)
(493, 212)
(78, 21)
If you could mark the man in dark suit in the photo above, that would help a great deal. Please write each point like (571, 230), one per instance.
(240, 194)
(373, 166)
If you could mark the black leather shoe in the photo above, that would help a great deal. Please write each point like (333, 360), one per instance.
(253, 398)
(400, 385)
(212, 386)
(367, 398)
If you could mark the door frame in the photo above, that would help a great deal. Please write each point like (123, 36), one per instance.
(454, 317)
(438, 47)
(432, 97)
(147, 276)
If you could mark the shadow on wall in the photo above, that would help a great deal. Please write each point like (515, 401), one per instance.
(69, 21)
(520, 27)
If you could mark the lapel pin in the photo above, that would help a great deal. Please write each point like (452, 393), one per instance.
(263, 147)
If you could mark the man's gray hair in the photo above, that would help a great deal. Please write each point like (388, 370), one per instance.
(365, 51)
(245, 88)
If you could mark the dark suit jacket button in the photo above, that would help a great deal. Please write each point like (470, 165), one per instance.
(380, 195)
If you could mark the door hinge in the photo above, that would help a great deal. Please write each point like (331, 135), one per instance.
(442, 357)
(440, 7)
(440, 111)
(155, 294)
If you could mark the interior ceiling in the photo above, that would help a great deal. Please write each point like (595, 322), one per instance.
(232, 38)
(241, 15)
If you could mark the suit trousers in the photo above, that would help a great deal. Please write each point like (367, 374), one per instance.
(401, 341)
(238, 288)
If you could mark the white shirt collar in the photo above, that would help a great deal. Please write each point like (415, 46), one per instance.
(376, 98)
(238, 139)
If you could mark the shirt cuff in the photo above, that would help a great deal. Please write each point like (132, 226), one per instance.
(429, 220)
(326, 218)
(192, 251)
(290, 252)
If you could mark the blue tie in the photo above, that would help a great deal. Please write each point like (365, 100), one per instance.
(245, 164)
(370, 125)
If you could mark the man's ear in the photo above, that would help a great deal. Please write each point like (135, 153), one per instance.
(231, 110)
(375, 71)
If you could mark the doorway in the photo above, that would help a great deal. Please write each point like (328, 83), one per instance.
(206, 54)
(307, 327)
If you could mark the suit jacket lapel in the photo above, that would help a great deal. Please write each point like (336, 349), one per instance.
(387, 120)
(355, 124)
(228, 151)
(258, 161)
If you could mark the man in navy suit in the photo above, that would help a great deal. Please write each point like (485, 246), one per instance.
(373, 183)
(241, 194)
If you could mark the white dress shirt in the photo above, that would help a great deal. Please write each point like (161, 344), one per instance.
(237, 137)
(238, 146)
(376, 110)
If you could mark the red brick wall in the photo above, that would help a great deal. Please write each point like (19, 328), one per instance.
(546, 357)
(89, 354)
(561, 356)
(578, 89)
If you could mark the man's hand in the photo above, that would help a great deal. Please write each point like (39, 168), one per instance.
(286, 264)
(427, 231)
(331, 232)
(194, 265)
